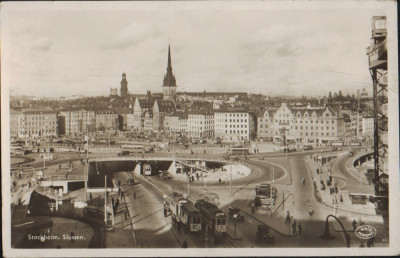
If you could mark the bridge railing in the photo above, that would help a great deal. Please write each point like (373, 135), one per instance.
(65, 178)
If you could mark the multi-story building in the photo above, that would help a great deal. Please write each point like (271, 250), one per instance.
(15, 116)
(235, 125)
(183, 123)
(302, 124)
(200, 124)
(77, 121)
(171, 123)
(106, 120)
(368, 126)
(161, 108)
(265, 127)
(37, 123)
(130, 121)
(143, 110)
(355, 123)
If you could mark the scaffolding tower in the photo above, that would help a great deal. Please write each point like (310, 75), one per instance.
(377, 56)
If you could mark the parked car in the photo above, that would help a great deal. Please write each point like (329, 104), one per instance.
(123, 153)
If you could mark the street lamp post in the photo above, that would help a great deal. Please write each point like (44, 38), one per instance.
(230, 183)
(273, 174)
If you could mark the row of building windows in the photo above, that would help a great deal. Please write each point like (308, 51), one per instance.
(236, 131)
(236, 115)
(234, 121)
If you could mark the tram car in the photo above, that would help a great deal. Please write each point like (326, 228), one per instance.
(213, 218)
(190, 217)
(182, 210)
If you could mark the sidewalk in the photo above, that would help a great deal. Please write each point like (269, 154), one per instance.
(333, 201)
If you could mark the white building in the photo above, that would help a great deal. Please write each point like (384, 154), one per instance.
(37, 123)
(309, 125)
(171, 123)
(368, 126)
(234, 125)
(77, 121)
(106, 120)
(200, 124)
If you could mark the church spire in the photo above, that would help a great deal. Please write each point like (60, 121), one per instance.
(169, 67)
(169, 78)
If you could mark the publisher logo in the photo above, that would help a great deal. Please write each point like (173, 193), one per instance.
(365, 232)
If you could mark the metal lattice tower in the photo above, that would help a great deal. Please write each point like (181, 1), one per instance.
(377, 55)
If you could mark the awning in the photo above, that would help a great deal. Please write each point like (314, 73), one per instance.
(366, 190)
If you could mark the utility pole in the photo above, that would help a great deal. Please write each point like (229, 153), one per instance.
(191, 171)
(105, 200)
(87, 165)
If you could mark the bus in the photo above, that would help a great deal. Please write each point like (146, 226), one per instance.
(239, 150)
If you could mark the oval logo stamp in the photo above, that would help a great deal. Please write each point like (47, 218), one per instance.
(365, 232)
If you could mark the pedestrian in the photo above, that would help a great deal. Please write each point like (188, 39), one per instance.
(185, 244)
(294, 226)
(219, 181)
(90, 195)
(126, 214)
(311, 211)
(252, 209)
(192, 178)
(197, 176)
(287, 217)
(300, 227)
(134, 195)
(341, 197)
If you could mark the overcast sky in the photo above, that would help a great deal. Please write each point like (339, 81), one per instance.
(60, 50)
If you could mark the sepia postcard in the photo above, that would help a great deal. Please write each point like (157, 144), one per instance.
(199, 128)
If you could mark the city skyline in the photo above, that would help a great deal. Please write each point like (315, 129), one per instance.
(269, 51)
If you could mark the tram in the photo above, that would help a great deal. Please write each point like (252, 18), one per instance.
(213, 218)
(182, 210)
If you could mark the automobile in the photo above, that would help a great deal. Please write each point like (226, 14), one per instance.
(235, 214)
(165, 176)
(308, 147)
(123, 153)
(131, 181)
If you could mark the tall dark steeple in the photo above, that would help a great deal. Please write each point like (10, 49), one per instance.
(169, 78)
(169, 84)
(124, 86)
